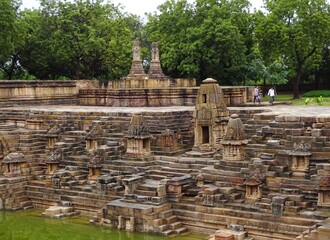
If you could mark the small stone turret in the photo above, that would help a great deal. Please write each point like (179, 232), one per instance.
(15, 164)
(211, 116)
(53, 161)
(254, 186)
(138, 138)
(94, 166)
(92, 139)
(300, 157)
(234, 140)
(53, 135)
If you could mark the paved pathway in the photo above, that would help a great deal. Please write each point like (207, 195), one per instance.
(282, 110)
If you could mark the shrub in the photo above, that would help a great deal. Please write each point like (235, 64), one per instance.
(317, 93)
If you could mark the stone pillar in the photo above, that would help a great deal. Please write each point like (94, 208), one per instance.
(121, 222)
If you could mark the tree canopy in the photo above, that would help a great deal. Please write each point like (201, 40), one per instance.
(77, 40)
(223, 39)
(297, 30)
(9, 37)
(202, 40)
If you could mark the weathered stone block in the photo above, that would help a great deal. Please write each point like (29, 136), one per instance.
(279, 199)
(224, 236)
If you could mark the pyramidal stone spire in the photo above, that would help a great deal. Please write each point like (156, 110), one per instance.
(136, 68)
(155, 70)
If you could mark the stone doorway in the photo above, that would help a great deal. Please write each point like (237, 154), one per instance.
(205, 135)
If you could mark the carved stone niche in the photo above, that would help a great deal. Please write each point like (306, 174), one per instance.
(94, 167)
(56, 182)
(34, 124)
(126, 223)
(324, 192)
(234, 140)
(53, 135)
(300, 157)
(138, 138)
(210, 116)
(53, 161)
(92, 138)
(199, 181)
(254, 187)
(15, 164)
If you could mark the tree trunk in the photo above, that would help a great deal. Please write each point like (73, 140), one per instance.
(264, 90)
(77, 70)
(296, 82)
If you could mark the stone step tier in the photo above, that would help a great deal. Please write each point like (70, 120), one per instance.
(258, 225)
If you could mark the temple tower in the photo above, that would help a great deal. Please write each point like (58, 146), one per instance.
(211, 116)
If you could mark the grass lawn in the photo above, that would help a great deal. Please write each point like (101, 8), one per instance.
(287, 97)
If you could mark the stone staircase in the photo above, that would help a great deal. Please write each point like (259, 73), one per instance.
(83, 199)
(258, 225)
(13, 192)
(33, 144)
(169, 225)
(179, 166)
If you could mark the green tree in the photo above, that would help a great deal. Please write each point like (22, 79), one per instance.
(9, 38)
(202, 40)
(275, 73)
(82, 39)
(296, 30)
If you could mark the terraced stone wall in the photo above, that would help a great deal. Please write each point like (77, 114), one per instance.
(23, 92)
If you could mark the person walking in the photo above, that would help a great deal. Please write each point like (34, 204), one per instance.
(271, 94)
(256, 96)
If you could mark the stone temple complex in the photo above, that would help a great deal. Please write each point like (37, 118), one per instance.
(160, 155)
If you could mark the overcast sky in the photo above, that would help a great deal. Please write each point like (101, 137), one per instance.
(133, 6)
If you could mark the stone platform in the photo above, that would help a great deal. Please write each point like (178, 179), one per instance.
(175, 189)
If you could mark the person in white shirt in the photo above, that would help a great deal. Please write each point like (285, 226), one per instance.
(256, 95)
(271, 94)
